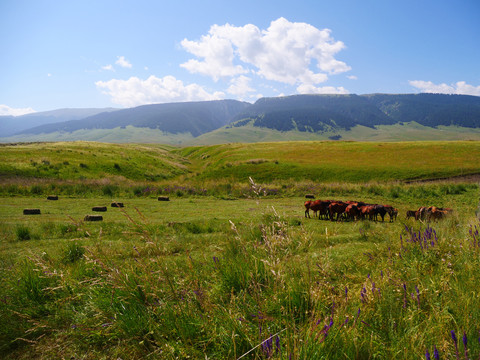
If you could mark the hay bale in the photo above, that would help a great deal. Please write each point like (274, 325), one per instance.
(52, 197)
(99, 208)
(310, 196)
(93, 218)
(31, 211)
(163, 198)
(117, 204)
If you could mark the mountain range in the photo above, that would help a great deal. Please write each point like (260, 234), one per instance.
(350, 117)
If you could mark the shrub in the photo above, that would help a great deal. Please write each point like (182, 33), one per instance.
(23, 233)
(73, 253)
(36, 190)
(109, 190)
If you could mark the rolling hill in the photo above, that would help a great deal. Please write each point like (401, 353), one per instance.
(372, 117)
(11, 125)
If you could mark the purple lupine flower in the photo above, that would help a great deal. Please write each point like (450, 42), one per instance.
(464, 339)
(436, 355)
(427, 355)
(454, 338)
(346, 293)
(277, 344)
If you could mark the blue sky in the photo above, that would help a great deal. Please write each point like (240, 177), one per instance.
(102, 53)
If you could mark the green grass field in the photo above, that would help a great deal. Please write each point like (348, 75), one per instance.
(227, 269)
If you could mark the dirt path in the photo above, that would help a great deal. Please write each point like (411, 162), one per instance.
(471, 178)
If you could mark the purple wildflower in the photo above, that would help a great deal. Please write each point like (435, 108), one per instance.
(427, 355)
(454, 337)
(455, 340)
(436, 355)
(464, 339)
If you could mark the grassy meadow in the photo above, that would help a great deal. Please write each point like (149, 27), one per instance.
(229, 268)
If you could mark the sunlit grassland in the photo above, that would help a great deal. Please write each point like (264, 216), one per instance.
(89, 160)
(199, 276)
(399, 132)
(333, 161)
(220, 270)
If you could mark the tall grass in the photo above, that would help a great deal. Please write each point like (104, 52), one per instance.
(268, 289)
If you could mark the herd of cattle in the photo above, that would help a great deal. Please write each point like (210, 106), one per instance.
(356, 210)
(428, 213)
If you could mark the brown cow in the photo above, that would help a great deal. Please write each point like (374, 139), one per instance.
(337, 207)
(410, 214)
(368, 210)
(352, 212)
(435, 213)
(421, 213)
(307, 207)
(322, 207)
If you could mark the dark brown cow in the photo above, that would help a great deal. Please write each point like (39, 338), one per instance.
(322, 207)
(379, 210)
(391, 211)
(337, 207)
(410, 214)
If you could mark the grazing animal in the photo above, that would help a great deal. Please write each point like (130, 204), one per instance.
(320, 207)
(307, 208)
(379, 210)
(352, 212)
(368, 210)
(421, 213)
(435, 213)
(336, 208)
(392, 212)
(410, 214)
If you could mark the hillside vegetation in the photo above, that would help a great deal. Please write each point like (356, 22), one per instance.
(335, 161)
(373, 117)
(89, 160)
(315, 161)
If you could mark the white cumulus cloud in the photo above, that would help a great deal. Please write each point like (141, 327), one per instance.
(240, 86)
(108, 67)
(311, 89)
(7, 110)
(460, 88)
(135, 91)
(121, 61)
(286, 52)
